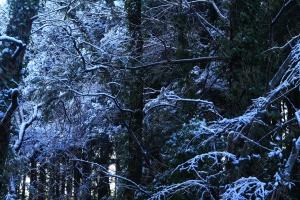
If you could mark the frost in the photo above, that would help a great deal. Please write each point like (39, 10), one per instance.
(6, 50)
(297, 144)
(246, 188)
(277, 177)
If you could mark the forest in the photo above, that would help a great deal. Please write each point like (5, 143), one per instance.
(149, 99)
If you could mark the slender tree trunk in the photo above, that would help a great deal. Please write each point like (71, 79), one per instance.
(77, 178)
(57, 178)
(33, 177)
(63, 180)
(42, 182)
(69, 186)
(23, 187)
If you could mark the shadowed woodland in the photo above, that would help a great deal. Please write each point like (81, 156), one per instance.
(132, 99)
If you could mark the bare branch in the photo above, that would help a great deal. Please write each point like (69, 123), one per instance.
(181, 61)
(280, 12)
(107, 173)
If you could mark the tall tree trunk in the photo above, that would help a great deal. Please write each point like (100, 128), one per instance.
(135, 98)
(23, 186)
(33, 177)
(42, 182)
(77, 176)
(19, 27)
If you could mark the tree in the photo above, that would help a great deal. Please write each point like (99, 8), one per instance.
(13, 49)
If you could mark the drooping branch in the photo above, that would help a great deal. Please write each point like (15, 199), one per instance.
(107, 173)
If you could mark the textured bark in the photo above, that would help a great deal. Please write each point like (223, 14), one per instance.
(4, 136)
(22, 14)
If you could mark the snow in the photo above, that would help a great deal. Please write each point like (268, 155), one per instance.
(297, 144)
(11, 39)
(297, 114)
(239, 189)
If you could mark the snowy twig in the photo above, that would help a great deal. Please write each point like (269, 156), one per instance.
(92, 94)
(179, 187)
(241, 188)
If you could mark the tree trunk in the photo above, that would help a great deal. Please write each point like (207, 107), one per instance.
(77, 175)
(135, 98)
(42, 182)
(19, 27)
(33, 177)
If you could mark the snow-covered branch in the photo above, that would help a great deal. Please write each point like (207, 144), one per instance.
(11, 39)
(24, 125)
(192, 164)
(292, 159)
(241, 188)
(92, 94)
(19, 43)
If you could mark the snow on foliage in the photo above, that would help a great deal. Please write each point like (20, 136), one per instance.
(217, 158)
(184, 188)
(246, 188)
(234, 129)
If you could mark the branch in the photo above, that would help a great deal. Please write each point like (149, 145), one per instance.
(89, 69)
(213, 4)
(11, 39)
(292, 159)
(19, 43)
(297, 114)
(24, 125)
(288, 43)
(181, 61)
(280, 12)
(163, 62)
(12, 107)
(280, 72)
(92, 94)
(104, 170)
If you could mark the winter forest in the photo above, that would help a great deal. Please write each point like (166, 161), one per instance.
(149, 99)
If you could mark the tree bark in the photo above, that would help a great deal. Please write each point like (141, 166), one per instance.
(19, 27)
(135, 97)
